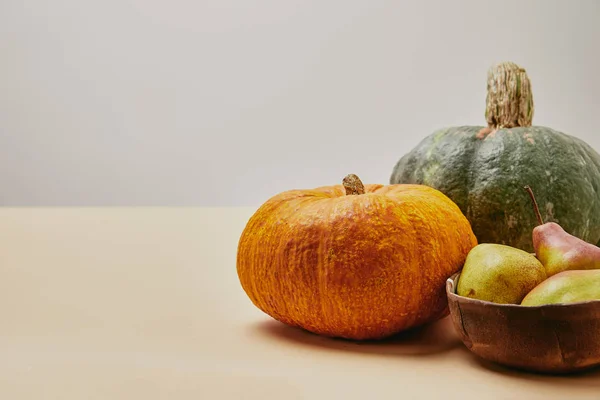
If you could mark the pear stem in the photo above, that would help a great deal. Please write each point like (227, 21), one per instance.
(353, 185)
(535, 205)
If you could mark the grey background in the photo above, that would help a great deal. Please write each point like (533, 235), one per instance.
(227, 102)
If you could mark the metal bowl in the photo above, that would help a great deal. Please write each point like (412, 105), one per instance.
(555, 338)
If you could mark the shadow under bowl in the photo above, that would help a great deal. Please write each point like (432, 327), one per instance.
(554, 338)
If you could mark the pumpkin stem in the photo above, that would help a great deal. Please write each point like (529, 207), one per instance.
(535, 205)
(353, 185)
(509, 101)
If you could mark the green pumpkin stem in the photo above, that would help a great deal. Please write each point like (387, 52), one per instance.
(353, 185)
(509, 101)
(536, 209)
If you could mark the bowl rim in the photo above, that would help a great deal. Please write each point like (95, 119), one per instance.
(451, 292)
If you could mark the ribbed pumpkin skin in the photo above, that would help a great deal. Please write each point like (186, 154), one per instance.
(485, 175)
(353, 266)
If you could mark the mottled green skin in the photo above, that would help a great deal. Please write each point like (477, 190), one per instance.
(485, 177)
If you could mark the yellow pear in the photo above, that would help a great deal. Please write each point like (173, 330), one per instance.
(566, 287)
(499, 274)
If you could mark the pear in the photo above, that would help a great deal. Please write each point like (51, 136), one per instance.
(566, 287)
(499, 274)
(558, 250)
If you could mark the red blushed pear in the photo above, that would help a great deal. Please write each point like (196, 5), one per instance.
(558, 250)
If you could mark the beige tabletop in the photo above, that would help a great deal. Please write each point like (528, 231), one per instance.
(144, 303)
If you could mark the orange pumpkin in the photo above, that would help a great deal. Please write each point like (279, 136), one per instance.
(353, 261)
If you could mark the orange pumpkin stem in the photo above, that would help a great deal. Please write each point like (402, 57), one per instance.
(535, 205)
(353, 185)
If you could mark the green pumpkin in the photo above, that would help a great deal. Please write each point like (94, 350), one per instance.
(484, 169)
